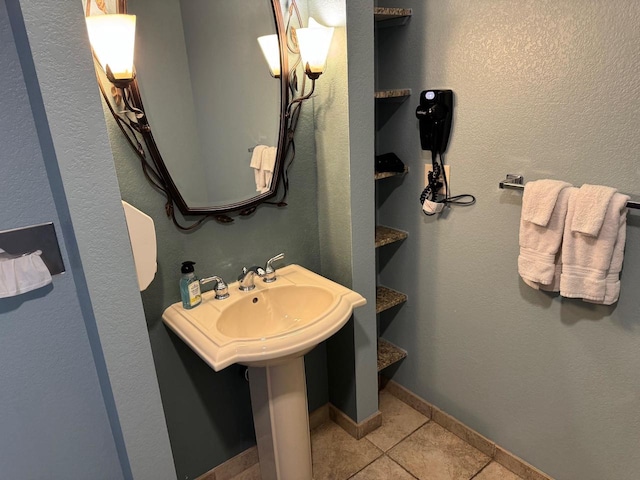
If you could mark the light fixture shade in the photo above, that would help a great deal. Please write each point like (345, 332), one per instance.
(112, 39)
(314, 43)
(271, 50)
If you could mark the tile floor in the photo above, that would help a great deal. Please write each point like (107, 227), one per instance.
(406, 447)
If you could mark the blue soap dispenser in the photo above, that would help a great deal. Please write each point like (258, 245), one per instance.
(189, 286)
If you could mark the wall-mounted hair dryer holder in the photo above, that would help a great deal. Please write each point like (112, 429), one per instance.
(435, 114)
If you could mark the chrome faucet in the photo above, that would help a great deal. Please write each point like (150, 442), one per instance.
(247, 277)
(220, 287)
(270, 272)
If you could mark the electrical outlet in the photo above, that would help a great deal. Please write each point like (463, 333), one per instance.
(447, 171)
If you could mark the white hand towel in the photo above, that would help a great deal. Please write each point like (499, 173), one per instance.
(539, 200)
(256, 157)
(256, 164)
(539, 244)
(591, 208)
(587, 260)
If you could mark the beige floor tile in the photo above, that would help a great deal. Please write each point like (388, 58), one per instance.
(398, 421)
(495, 471)
(252, 473)
(432, 453)
(337, 455)
(383, 469)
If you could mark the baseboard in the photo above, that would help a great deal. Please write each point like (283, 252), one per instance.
(319, 417)
(234, 466)
(498, 454)
(356, 430)
(247, 459)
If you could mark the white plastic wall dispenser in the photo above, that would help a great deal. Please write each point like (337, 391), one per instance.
(142, 235)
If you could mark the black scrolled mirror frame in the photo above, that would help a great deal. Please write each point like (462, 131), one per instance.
(135, 127)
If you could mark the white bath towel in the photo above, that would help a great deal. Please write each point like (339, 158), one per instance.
(612, 280)
(269, 159)
(538, 262)
(591, 207)
(588, 261)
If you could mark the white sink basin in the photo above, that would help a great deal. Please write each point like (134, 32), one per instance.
(269, 324)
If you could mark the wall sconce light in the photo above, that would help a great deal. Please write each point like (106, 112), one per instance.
(112, 38)
(271, 50)
(314, 42)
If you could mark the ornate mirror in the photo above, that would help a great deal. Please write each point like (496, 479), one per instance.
(210, 123)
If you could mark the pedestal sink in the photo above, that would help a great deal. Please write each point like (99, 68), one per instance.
(269, 329)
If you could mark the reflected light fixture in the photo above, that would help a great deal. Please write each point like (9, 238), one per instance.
(314, 42)
(271, 51)
(112, 38)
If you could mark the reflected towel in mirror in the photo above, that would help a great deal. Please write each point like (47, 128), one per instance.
(263, 162)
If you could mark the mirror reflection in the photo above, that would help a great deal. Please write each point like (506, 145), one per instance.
(217, 133)
(209, 97)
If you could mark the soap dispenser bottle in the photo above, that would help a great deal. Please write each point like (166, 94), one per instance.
(189, 286)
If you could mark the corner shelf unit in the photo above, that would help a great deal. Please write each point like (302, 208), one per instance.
(389, 100)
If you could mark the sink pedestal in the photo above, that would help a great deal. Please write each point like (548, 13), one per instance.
(281, 418)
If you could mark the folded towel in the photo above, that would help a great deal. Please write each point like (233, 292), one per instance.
(539, 245)
(612, 280)
(591, 208)
(539, 200)
(269, 159)
(256, 157)
(554, 286)
(256, 164)
(268, 165)
(589, 266)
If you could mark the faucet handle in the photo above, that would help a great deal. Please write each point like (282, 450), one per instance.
(221, 288)
(270, 272)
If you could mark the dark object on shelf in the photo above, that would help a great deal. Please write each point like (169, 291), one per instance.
(389, 162)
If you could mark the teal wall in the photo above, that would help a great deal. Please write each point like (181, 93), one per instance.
(209, 414)
(546, 89)
(344, 135)
(205, 415)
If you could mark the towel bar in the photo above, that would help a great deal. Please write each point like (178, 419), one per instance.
(516, 182)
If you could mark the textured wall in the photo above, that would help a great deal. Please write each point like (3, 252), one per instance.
(546, 89)
(50, 387)
(54, 54)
